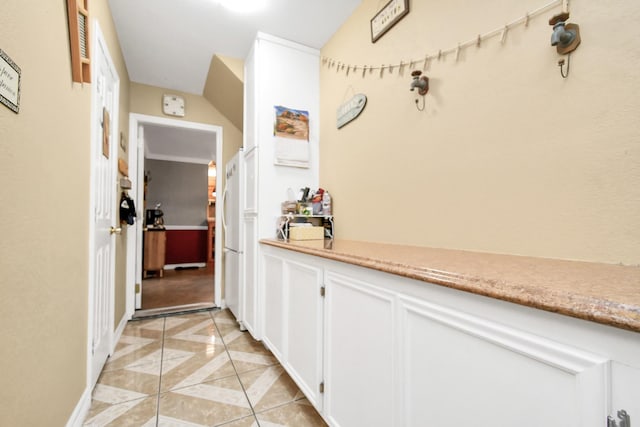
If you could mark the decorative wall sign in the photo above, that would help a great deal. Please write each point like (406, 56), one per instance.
(350, 110)
(9, 82)
(388, 16)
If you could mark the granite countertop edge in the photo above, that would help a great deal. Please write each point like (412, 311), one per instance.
(581, 303)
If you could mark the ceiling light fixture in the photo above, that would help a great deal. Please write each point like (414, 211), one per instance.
(243, 6)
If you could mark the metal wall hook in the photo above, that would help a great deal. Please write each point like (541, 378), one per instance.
(561, 65)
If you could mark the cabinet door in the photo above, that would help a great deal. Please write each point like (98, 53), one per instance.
(359, 347)
(304, 328)
(460, 370)
(274, 304)
(626, 383)
(250, 295)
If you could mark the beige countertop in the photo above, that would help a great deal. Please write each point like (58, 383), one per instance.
(603, 293)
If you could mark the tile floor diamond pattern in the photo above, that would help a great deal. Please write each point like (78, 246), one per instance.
(195, 369)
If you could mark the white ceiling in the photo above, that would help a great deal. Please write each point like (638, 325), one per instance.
(170, 44)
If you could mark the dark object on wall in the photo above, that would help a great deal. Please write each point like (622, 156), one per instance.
(127, 209)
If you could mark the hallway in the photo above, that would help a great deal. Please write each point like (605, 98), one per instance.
(195, 369)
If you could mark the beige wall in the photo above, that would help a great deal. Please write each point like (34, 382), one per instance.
(224, 88)
(507, 156)
(44, 168)
(148, 100)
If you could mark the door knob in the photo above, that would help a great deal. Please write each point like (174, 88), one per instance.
(115, 230)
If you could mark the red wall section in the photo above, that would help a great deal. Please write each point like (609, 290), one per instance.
(186, 246)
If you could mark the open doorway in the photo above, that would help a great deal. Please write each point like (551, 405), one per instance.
(176, 267)
(183, 278)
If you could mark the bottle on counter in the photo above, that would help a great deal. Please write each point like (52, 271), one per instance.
(326, 203)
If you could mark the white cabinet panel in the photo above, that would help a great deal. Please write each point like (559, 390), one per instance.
(359, 347)
(304, 328)
(232, 282)
(250, 101)
(274, 304)
(461, 370)
(626, 386)
(250, 179)
(250, 295)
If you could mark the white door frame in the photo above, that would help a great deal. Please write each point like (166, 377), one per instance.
(136, 169)
(100, 47)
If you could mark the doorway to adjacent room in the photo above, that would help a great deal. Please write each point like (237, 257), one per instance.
(182, 283)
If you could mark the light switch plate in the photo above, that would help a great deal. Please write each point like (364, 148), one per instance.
(173, 105)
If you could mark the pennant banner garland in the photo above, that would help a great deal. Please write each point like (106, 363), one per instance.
(425, 60)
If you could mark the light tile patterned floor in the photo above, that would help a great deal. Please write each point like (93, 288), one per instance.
(195, 369)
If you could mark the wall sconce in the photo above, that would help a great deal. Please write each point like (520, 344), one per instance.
(422, 83)
(565, 37)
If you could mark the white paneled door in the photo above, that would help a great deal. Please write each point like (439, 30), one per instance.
(105, 226)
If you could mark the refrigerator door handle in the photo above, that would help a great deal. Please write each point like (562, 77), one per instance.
(224, 209)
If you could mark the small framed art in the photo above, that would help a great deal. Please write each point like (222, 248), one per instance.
(9, 82)
(387, 17)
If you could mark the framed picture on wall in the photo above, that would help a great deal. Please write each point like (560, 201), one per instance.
(9, 83)
(387, 17)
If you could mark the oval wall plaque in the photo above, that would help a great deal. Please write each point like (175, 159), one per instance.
(350, 109)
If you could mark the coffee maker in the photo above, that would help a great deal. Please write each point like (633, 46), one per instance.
(154, 218)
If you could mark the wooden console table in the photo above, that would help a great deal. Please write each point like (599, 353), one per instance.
(155, 246)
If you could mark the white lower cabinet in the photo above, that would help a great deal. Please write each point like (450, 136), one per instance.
(359, 353)
(396, 352)
(304, 328)
(460, 370)
(293, 321)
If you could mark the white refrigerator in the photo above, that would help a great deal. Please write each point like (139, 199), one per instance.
(231, 211)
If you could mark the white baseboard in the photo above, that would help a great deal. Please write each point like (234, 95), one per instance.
(118, 332)
(185, 265)
(81, 410)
